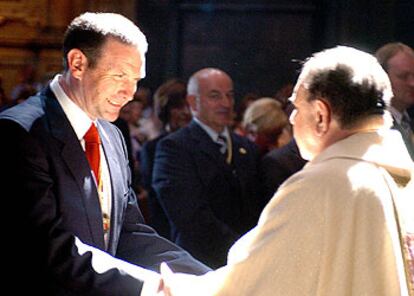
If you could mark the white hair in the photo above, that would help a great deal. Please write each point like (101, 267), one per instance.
(365, 68)
(116, 25)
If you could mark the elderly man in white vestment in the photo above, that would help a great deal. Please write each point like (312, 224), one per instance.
(339, 226)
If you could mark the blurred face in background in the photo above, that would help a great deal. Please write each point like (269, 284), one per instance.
(266, 124)
(401, 73)
(215, 101)
(132, 112)
(179, 116)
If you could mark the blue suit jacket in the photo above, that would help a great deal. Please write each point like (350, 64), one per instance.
(209, 203)
(50, 178)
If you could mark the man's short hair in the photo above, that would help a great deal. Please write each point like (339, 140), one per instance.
(387, 51)
(89, 31)
(352, 81)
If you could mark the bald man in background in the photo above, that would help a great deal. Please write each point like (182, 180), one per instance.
(205, 176)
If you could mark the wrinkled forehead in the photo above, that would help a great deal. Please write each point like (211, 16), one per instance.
(215, 81)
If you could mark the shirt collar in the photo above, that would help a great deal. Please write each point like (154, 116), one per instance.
(78, 119)
(212, 133)
(397, 115)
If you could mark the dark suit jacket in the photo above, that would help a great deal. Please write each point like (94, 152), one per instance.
(410, 112)
(278, 165)
(157, 217)
(407, 140)
(209, 203)
(52, 186)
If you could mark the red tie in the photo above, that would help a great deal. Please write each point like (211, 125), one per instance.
(92, 142)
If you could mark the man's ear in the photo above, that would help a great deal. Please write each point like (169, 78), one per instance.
(192, 102)
(323, 113)
(77, 63)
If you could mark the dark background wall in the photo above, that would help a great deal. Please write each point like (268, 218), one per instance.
(259, 43)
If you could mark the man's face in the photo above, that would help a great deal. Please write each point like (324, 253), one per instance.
(401, 74)
(303, 120)
(214, 105)
(113, 82)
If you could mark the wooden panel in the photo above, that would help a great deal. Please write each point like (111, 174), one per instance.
(31, 32)
(45, 62)
(21, 20)
(49, 63)
(11, 65)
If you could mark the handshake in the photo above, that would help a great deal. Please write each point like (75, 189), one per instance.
(158, 285)
(168, 283)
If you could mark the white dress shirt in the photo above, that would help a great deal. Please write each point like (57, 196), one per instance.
(212, 133)
(80, 123)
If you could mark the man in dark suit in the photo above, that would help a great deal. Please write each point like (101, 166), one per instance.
(278, 165)
(205, 176)
(78, 227)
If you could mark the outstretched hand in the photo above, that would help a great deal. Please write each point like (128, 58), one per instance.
(166, 274)
(158, 286)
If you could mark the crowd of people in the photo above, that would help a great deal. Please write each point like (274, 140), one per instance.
(302, 193)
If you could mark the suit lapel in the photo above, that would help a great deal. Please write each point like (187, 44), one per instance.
(116, 183)
(215, 162)
(205, 143)
(74, 158)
